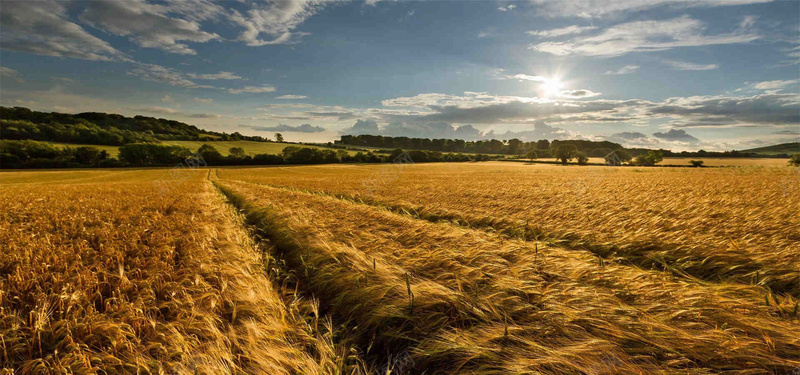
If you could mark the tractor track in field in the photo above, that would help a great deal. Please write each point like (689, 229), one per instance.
(673, 258)
(268, 222)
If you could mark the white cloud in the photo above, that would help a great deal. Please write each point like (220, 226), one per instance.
(569, 30)
(167, 99)
(148, 25)
(683, 65)
(506, 8)
(42, 28)
(644, 36)
(252, 89)
(159, 110)
(9, 73)
(610, 8)
(775, 85)
(220, 75)
(203, 100)
(627, 69)
(525, 77)
(632, 139)
(277, 20)
(488, 32)
(290, 97)
(158, 73)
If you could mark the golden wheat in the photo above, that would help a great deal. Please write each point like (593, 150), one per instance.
(481, 304)
(714, 224)
(119, 277)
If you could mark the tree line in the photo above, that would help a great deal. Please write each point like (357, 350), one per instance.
(15, 154)
(490, 146)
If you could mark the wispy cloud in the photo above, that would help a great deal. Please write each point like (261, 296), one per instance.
(506, 8)
(305, 128)
(9, 73)
(683, 65)
(525, 77)
(158, 73)
(213, 76)
(147, 25)
(776, 85)
(644, 36)
(277, 20)
(252, 89)
(569, 30)
(42, 28)
(291, 97)
(627, 69)
(612, 8)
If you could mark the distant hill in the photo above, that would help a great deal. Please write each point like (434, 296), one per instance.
(102, 128)
(783, 148)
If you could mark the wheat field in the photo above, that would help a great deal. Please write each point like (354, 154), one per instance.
(459, 268)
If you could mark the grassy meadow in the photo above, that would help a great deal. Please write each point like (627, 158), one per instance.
(444, 268)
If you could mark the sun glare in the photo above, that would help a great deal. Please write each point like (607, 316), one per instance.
(552, 86)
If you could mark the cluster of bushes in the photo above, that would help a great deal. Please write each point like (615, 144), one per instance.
(795, 160)
(32, 154)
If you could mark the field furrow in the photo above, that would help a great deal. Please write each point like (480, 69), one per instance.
(461, 300)
(734, 224)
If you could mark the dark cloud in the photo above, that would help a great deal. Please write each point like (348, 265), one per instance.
(445, 130)
(711, 111)
(362, 127)
(540, 131)
(632, 139)
(577, 94)
(305, 128)
(205, 115)
(678, 135)
(494, 113)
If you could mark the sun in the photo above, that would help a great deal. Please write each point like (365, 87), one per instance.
(552, 86)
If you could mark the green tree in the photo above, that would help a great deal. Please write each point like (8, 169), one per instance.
(795, 160)
(279, 137)
(153, 154)
(514, 146)
(618, 157)
(565, 153)
(396, 153)
(237, 152)
(696, 163)
(531, 154)
(582, 158)
(652, 157)
(210, 154)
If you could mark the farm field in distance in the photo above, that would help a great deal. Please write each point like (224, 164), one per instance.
(250, 147)
(441, 268)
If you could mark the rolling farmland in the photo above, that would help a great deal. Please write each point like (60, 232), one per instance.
(475, 268)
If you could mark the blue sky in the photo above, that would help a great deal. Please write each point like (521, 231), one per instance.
(683, 75)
